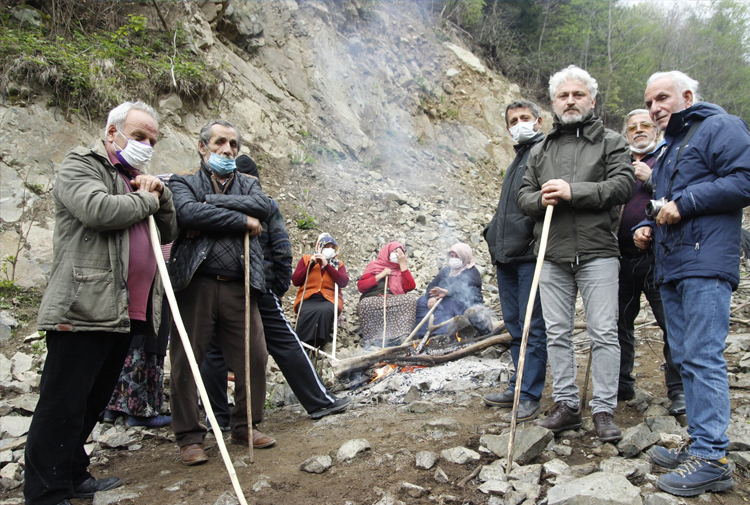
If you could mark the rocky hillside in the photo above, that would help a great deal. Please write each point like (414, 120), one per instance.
(368, 121)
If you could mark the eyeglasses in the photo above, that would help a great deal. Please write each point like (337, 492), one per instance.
(640, 126)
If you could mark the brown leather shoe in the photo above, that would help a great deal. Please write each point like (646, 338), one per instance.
(561, 418)
(605, 427)
(193, 454)
(260, 440)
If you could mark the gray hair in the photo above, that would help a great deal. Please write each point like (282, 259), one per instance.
(572, 73)
(118, 114)
(632, 113)
(522, 104)
(681, 82)
(205, 134)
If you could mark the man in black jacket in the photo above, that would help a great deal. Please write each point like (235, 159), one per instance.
(510, 237)
(215, 208)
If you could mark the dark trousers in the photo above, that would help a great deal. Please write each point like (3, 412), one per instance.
(636, 277)
(447, 309)
(79, 376)
(284, 345)
(212, 307)
(514, 282)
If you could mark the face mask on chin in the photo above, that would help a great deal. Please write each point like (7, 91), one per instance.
(220, 165)
(523, 131)
(135, 154)
(646, 149)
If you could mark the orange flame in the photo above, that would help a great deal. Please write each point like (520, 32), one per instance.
(383, 371)
(458, 339)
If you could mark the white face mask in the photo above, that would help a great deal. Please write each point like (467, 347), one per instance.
(523, 131)
(136, 154)
(393, 258)
(455, 263)
(328, 253)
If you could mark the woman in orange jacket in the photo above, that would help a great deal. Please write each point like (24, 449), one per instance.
(316, 276)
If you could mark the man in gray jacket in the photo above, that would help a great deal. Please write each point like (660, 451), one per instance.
(583, 170)
(102, 291)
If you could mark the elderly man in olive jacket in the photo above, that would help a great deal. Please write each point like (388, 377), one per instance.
(103, 290)
(584, 170)
(216, 207)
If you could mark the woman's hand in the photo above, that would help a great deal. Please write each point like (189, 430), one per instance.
(319, 258)
(401, 255)
(431, 302)
(439, 292)
(385, 273)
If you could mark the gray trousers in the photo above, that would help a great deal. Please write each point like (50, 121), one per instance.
(597, 280)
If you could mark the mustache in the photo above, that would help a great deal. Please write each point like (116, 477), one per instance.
(571, 107)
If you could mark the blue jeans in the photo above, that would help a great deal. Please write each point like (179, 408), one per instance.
(697, 324)
(559, 284)
(514, 283)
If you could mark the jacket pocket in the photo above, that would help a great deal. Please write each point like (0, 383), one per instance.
(94, 299)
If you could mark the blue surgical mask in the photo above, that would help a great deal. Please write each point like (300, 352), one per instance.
(220, 165)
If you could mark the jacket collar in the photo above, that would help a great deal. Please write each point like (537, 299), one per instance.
(528, 144)
(100, 151)
(590, 127)
(680, 121)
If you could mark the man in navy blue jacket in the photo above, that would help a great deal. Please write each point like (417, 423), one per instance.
(704, 176)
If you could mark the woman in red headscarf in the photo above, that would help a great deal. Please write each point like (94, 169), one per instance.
(389, 268)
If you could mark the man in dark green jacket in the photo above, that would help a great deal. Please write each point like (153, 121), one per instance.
(584, 170)
(102, 291)
(510, 237)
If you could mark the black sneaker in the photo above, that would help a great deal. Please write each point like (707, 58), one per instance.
(90, 486)
(696, 476)
(561, 418)
(527, 410)
(669, 458)
(503, 400)
(338, 406)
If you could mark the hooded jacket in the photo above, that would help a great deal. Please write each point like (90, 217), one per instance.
(595, 162)
(710, 187)
(213, 215)
(88, 289)
(510, 234)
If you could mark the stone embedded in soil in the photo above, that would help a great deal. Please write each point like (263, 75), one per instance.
(739, 436)
(26, 403)
(442, 424)
(459, 455)
(494, 471)
(426, 459)
(118, 495)
(599, 488)
(227, 498)
(531, 474)
(316, 464)
(352, 448)
(440, 476)
(514, 497)
(656, 411)
(14, 426)
(562, 450)
(496, 487)
(263, 482)
(412, 490)
(530, 442)
(662, 499)
(670, 441)
(666, 424)
(555, 467)
(421, 407)
(10, 471)
(117, 437)
(632, 469)
(532, 491)
(606, 450)
(635, 439)
(742, 458)
(21, 364)
(5, 369)
(12, 444)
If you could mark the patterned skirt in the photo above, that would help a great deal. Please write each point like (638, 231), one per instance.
(139, 391)
(401, 313)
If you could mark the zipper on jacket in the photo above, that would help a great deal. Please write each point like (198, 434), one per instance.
(572, 180)
(123, 280)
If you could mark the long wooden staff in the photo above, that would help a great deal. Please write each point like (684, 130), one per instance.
(424, 320)
(385, 297)
(335, 316)
(525, 337)
(304, 288)
(248, 396)
(191, 359)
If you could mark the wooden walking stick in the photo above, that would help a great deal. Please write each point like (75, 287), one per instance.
(424, 320)
(385, 297)
(248, 395)
(191, 359)
(525, 337)
(586, 383)
(335, 316)
(304, 288)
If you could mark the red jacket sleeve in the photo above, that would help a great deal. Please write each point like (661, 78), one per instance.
(366, 283)
(298, 277)
(339, 276)
(407, 281)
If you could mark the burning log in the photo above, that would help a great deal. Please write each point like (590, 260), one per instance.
(403, 355)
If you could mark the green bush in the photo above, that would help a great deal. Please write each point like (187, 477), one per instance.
(95, 71)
